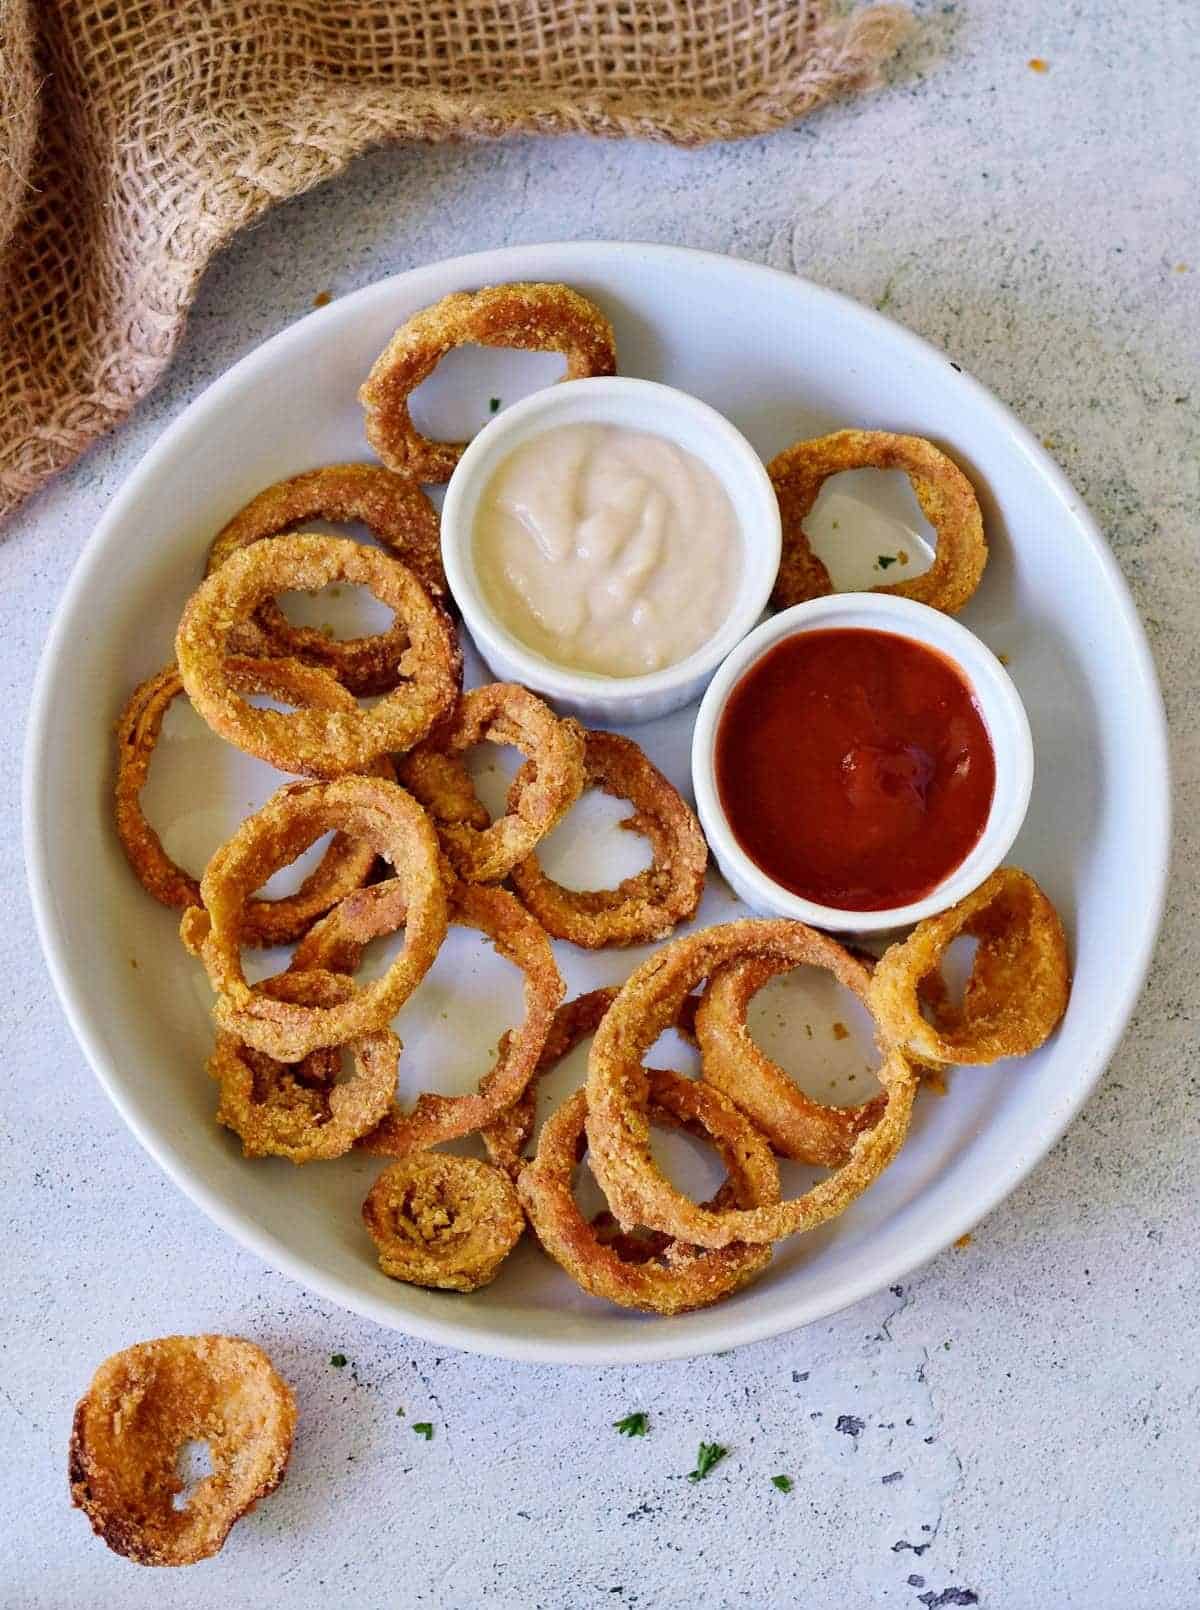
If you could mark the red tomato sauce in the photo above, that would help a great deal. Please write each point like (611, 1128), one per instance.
(854, 767)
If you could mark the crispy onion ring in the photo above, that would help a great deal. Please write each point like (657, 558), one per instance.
(946, 497)
(143, 1406)
(502, 713)
(367, 808)
(648, 905)
(345, 864)
(618, 1125)
(394, 510)
(1018, 987)
(300, 1110)
(532, 317)
(796, 1124)
(443, 1221)
(310, 742)
(336, 944)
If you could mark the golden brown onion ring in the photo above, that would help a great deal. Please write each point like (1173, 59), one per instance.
(648, 905)
(501, 713)
(946, 497)
(309, 742)
(443, 1221)
(345, 864)
(1017, 990)
(532, 317)
(143, 1406)
(617, 1093)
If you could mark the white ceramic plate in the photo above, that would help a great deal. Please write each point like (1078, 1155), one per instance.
(782, 359)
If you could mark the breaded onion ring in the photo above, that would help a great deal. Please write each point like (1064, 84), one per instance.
(345, 864)
(336, 944)
(443, 1221)
(291, 1109)
(671, 1277)
(398, 515)
(617, 1093)
(143, 1406)
(367, 808)
(532, 317)
(310, 742)
(1018, 988)
(796, 1124)
(501, 713)
(946, 497)
(648, 905)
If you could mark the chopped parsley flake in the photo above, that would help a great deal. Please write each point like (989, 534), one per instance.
(709, 1455)
(633, 1425)
(423, 1429)
(784, 1483)
(338, 1360)
(885, 559)
(494, 405)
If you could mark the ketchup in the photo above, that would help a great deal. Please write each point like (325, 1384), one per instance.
(854, 768)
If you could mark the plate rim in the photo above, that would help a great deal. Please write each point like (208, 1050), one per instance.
(658, 1342)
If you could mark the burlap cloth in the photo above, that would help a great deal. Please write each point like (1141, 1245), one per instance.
(137, 135)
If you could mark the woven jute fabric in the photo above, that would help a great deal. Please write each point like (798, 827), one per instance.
(137, 135)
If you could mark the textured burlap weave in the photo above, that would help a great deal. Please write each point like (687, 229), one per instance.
(137, 135)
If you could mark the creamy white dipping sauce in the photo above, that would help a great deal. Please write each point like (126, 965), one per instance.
(607, 550)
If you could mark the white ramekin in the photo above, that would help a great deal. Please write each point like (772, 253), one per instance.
(637, 405)
(1003, 715)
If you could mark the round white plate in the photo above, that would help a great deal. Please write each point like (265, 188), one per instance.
(782, 358)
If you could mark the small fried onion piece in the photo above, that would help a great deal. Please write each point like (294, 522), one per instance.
(1017, 990)
(648, 905)
(279, 1109)
(532, 317)
(311, 742)
(502, 713)
(617, 1092)
(345, 865)
(336, 943)
(946, 497)
(394, 510)
(444, 1221)
(143, 1407)
(367, 808)
(796, 1124)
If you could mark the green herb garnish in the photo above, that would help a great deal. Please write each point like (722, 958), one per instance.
(784, 1483)
(423, 1429)
(633, 1425)
(709, 1455)
(494, 405)
(885, 559)
(338, 1360)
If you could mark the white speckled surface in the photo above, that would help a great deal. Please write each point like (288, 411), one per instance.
(1017, 1424)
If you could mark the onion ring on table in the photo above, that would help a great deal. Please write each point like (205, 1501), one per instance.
(443, 1221)
(617, 1091)
(144, 1405)
(300, 1110)
(946, 497)
(310, 742)
(367, 808)
(531, 317)
(502, 713)
(1018, 986)
(394, 510)
(647, 905)
(336, 944)
(796, 1124)
(670, 1278)
(345, 864)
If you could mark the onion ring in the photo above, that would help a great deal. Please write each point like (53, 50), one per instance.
(648, 905)
(310, 742)
(796, 1124)
(336, 944)
(1018, 987)
(531, 317)
(279, 1109)
(345, 864)
(143, 1406)
(618, 1125)
(502, 713)
(443, 1221)
(946, 497)
(398, 515)
(368, 808)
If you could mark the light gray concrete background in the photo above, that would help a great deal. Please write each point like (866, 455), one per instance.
(1017, 1426)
